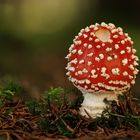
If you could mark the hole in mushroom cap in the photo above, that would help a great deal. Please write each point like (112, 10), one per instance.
(103, 34)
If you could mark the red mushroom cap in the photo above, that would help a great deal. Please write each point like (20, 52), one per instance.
(102, 58)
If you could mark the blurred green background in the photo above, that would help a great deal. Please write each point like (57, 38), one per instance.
(35, 35)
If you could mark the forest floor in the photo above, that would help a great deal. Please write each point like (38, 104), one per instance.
(56, 116)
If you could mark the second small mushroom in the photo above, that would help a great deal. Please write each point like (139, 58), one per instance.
(101, 64)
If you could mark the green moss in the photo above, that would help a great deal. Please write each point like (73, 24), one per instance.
(35, 107)
(62, 130)
(10, 89)
(59, 97)
(55, 97)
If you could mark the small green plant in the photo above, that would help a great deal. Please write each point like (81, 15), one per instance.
(59, 96)
(10, 89)
(62, 130)
(55, 97)
(35, 107)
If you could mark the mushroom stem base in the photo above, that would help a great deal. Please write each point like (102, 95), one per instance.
(93, 104)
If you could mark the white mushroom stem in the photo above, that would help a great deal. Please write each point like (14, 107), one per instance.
(94, 105)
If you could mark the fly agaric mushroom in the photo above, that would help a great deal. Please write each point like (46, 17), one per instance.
(101, 64)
